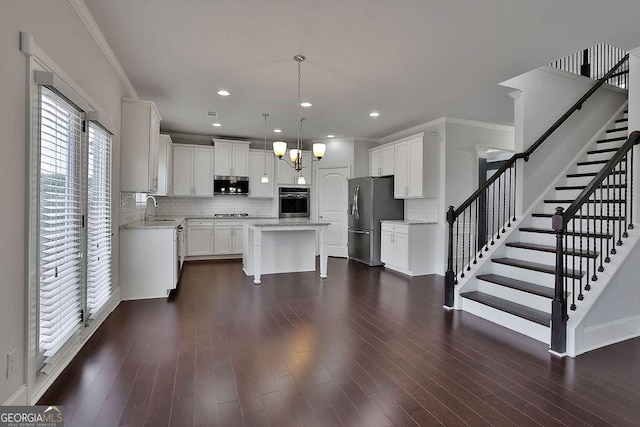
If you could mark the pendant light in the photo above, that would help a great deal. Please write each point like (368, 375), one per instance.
(295, 154)
(265, 177)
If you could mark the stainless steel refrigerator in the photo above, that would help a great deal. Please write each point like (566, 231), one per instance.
(370, 200)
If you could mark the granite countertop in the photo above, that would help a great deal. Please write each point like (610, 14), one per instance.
(407, 222)
(285, 222)
(162, 222)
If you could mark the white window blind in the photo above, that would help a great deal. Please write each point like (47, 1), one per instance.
(61, 267)
(98, 220)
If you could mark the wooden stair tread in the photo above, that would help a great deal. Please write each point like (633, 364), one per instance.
(622, 120)
(519, 310)
(550, 249)
(535, 266)
(617, 129)
(561, 201)
(582, 187)
(570, 233)
(586, 174)
(532, 288)
(604, 150)
(619, 138)
(593, 162)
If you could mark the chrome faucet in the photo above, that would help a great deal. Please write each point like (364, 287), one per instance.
(146, 204)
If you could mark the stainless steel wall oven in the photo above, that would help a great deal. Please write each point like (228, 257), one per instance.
(294, 202)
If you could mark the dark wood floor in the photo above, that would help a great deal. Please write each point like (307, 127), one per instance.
(364, 347)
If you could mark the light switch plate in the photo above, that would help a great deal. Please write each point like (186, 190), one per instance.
(11, 362)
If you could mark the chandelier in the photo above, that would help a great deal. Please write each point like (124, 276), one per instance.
(295, 154)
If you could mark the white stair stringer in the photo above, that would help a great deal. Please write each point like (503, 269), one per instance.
(530, 289)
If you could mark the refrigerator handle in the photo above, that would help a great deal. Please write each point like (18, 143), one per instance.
(355, 203)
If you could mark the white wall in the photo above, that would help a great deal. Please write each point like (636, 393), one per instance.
(547, 94)
(56, 29)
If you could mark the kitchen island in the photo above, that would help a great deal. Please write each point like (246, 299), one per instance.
(283, 246)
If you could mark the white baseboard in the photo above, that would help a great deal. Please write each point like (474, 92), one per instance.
(609, 333)
(19, 398)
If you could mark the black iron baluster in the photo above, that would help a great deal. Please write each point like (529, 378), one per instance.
(493, 214)
(595, 242)
(510, 192)
(486, 218)
(573, 261)
(469, 232)
(499, 180)
(620, 202)
(457, 248)
(601, 255)
(607, 259)
(630, 184)
(504, 203)
(626, 195)
(462, 264)
(612, 200)
(475, 258)
(582, 237)
(515, 189)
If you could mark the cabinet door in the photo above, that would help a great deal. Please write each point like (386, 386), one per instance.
(415, 159)
(256, 169)
(285, 172)
(401, 250)
(169, 165)
(431, 170)
(203, 171)
(387, 160)
(374, 162)
(200, 241)
(400, 183)
(154, 142)
(386, 247)
(223, 158)
(182, 171)
(237, 241)
(240, 160)
(223, 243)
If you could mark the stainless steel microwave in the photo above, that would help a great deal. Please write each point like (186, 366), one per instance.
(230, 185)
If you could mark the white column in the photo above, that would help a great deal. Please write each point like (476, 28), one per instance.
(518, 145)
(257, 254)
(634, 124)
(323, 253)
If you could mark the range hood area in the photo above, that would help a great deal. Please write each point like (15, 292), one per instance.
(230, 185)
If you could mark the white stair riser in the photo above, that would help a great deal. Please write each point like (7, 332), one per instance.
(599, 156)
(601, 193)
(617, 133)
(593, 225)
(541, 257)
(519, 297)
(591, 209)
(589, 168)
(550, 240)
(607, 145)
(518, 324)
(586, 180)
(523, 274)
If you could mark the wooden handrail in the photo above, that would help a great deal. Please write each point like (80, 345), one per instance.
(525, 155)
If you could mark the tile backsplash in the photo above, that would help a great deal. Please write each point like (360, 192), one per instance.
(421, 209)
(131, 207)
(184, 206)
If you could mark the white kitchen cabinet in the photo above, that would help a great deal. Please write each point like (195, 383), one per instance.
(192, 170)
(165, 166)
(228, 237)
(200, 237)
(416, 167)
(289, 176)
(148, 262)
(139, 142)
(408, 248)
(256, 168)
(232, 158)
(382, 160)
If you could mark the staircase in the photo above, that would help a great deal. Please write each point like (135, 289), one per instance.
(516, 286)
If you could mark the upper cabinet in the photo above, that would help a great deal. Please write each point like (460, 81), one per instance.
(232, 157)
(382, 160)
(257, 161)
(287, 175)
(139, 146)
(165, 166)
(416, 167)
(192, 170)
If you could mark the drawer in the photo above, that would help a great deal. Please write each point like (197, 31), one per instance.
(229, 222)
(395, 227)
(200, 223)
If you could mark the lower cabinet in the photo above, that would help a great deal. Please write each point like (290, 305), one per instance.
(408, 248)
(200, 237)
(228, 237)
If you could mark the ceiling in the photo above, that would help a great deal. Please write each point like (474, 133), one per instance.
(411, 60)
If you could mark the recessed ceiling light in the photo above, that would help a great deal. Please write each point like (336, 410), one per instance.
(223, 92)
(216, 124)
(305, 104)
(331, 136)
(277, 130)
(374, 114)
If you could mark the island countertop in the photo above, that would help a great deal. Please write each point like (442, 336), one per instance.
(285, 222)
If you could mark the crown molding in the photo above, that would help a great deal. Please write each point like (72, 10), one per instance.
(477, 124)
(92, 26)
(413, 130)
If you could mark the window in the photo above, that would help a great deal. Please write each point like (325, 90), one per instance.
(60, 223)
(74, 258)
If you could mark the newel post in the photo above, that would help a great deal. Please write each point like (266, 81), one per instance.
(449, 276)
(559, 305)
